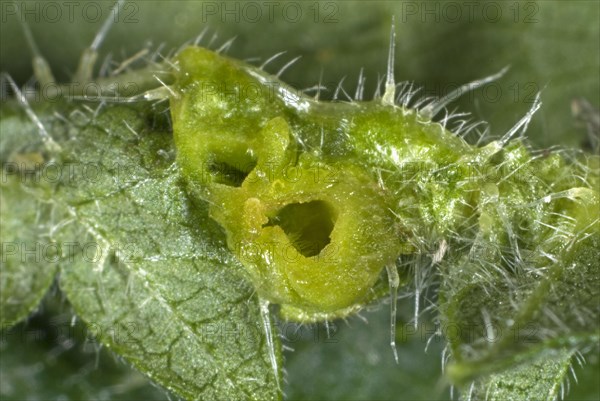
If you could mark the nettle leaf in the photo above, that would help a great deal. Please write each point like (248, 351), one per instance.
(148, 269)
(542, 379)
(28, 257)
(535, 305)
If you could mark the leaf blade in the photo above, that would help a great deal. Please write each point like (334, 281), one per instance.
(160, 272)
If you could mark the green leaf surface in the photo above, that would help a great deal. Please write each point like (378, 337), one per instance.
(542, 379)
(534, 309)
(163, 271)
(28, 257)
(147, 267)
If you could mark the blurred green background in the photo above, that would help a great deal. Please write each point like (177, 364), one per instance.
(551, 46)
